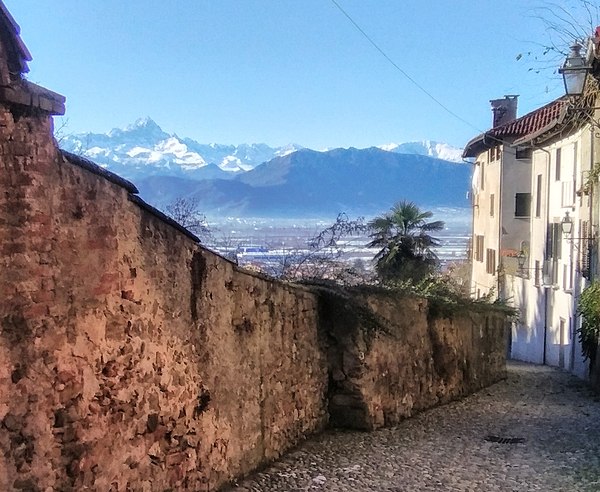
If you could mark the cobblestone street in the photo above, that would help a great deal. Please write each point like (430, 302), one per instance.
(554, 417)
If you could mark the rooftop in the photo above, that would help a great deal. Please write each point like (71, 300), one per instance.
(532, 124)
(17, 53)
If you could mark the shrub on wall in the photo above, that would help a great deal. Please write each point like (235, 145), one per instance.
(589, 309)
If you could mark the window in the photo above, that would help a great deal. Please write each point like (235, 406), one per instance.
(584, 249)
(553, 249)
(567, 196)
(538, 196)
(557, 165)
(538, 273)
(495, 153)
(478, 248)
(490, 261)
(523, 153)
(562, 342)
(553, 241)
(567, 280)
(482, 175)
(523, 205)
(492, 205)
(575, 160)
(549, 272)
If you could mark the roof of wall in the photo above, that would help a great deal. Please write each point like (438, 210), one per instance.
(14, 89)
(17, 53)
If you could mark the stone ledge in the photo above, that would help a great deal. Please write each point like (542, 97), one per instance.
(94, 168)
(163, 217)
(25, 93)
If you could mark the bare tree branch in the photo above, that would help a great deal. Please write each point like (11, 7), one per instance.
(185, 211)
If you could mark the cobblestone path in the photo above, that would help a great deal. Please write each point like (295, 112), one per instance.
(451, 447)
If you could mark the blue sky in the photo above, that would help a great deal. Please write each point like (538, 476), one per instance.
(282, 71)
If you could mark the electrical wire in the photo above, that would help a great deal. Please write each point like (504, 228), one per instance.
(401, 70)
(500, 141)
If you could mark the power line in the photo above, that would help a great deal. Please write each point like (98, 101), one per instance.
(403, 72)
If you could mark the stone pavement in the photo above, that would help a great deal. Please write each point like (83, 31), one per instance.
(452, 448)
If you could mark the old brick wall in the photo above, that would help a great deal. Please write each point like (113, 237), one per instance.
(391, 356)
(129, 356)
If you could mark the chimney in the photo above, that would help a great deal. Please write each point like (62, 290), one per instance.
(504, 110)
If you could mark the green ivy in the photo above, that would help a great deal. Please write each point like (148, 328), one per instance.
(592, 178)
(589, 309)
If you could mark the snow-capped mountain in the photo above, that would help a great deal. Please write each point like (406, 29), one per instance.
(259, 180)
(426, 147)
(144, 149)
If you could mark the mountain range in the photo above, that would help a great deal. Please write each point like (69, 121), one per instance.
(143, 149)
(259, 180)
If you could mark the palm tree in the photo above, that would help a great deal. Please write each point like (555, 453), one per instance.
(406, 245)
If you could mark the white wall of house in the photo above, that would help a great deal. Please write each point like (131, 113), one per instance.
(486, 223)
(501, 224)
(527, 333)
(546, 290)
(516, 200)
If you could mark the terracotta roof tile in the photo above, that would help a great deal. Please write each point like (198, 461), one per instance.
(531, 122)
(528, 125)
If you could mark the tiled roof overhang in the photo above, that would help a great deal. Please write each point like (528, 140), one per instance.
(17, 52)
(522, 129)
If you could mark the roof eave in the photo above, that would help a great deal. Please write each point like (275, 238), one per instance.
(474, 146)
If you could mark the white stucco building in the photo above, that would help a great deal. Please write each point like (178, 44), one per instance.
(534, 224)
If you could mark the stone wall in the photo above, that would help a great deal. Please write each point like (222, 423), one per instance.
(130, 356)
(390, 357)
(133, 359)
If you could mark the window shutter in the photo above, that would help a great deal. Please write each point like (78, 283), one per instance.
(549, 238)
(584, 254)
(557, 241)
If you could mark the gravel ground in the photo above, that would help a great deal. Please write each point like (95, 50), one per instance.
(556, 416)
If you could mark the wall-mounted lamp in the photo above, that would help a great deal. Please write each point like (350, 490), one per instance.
(566, 224)
(574, 71)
